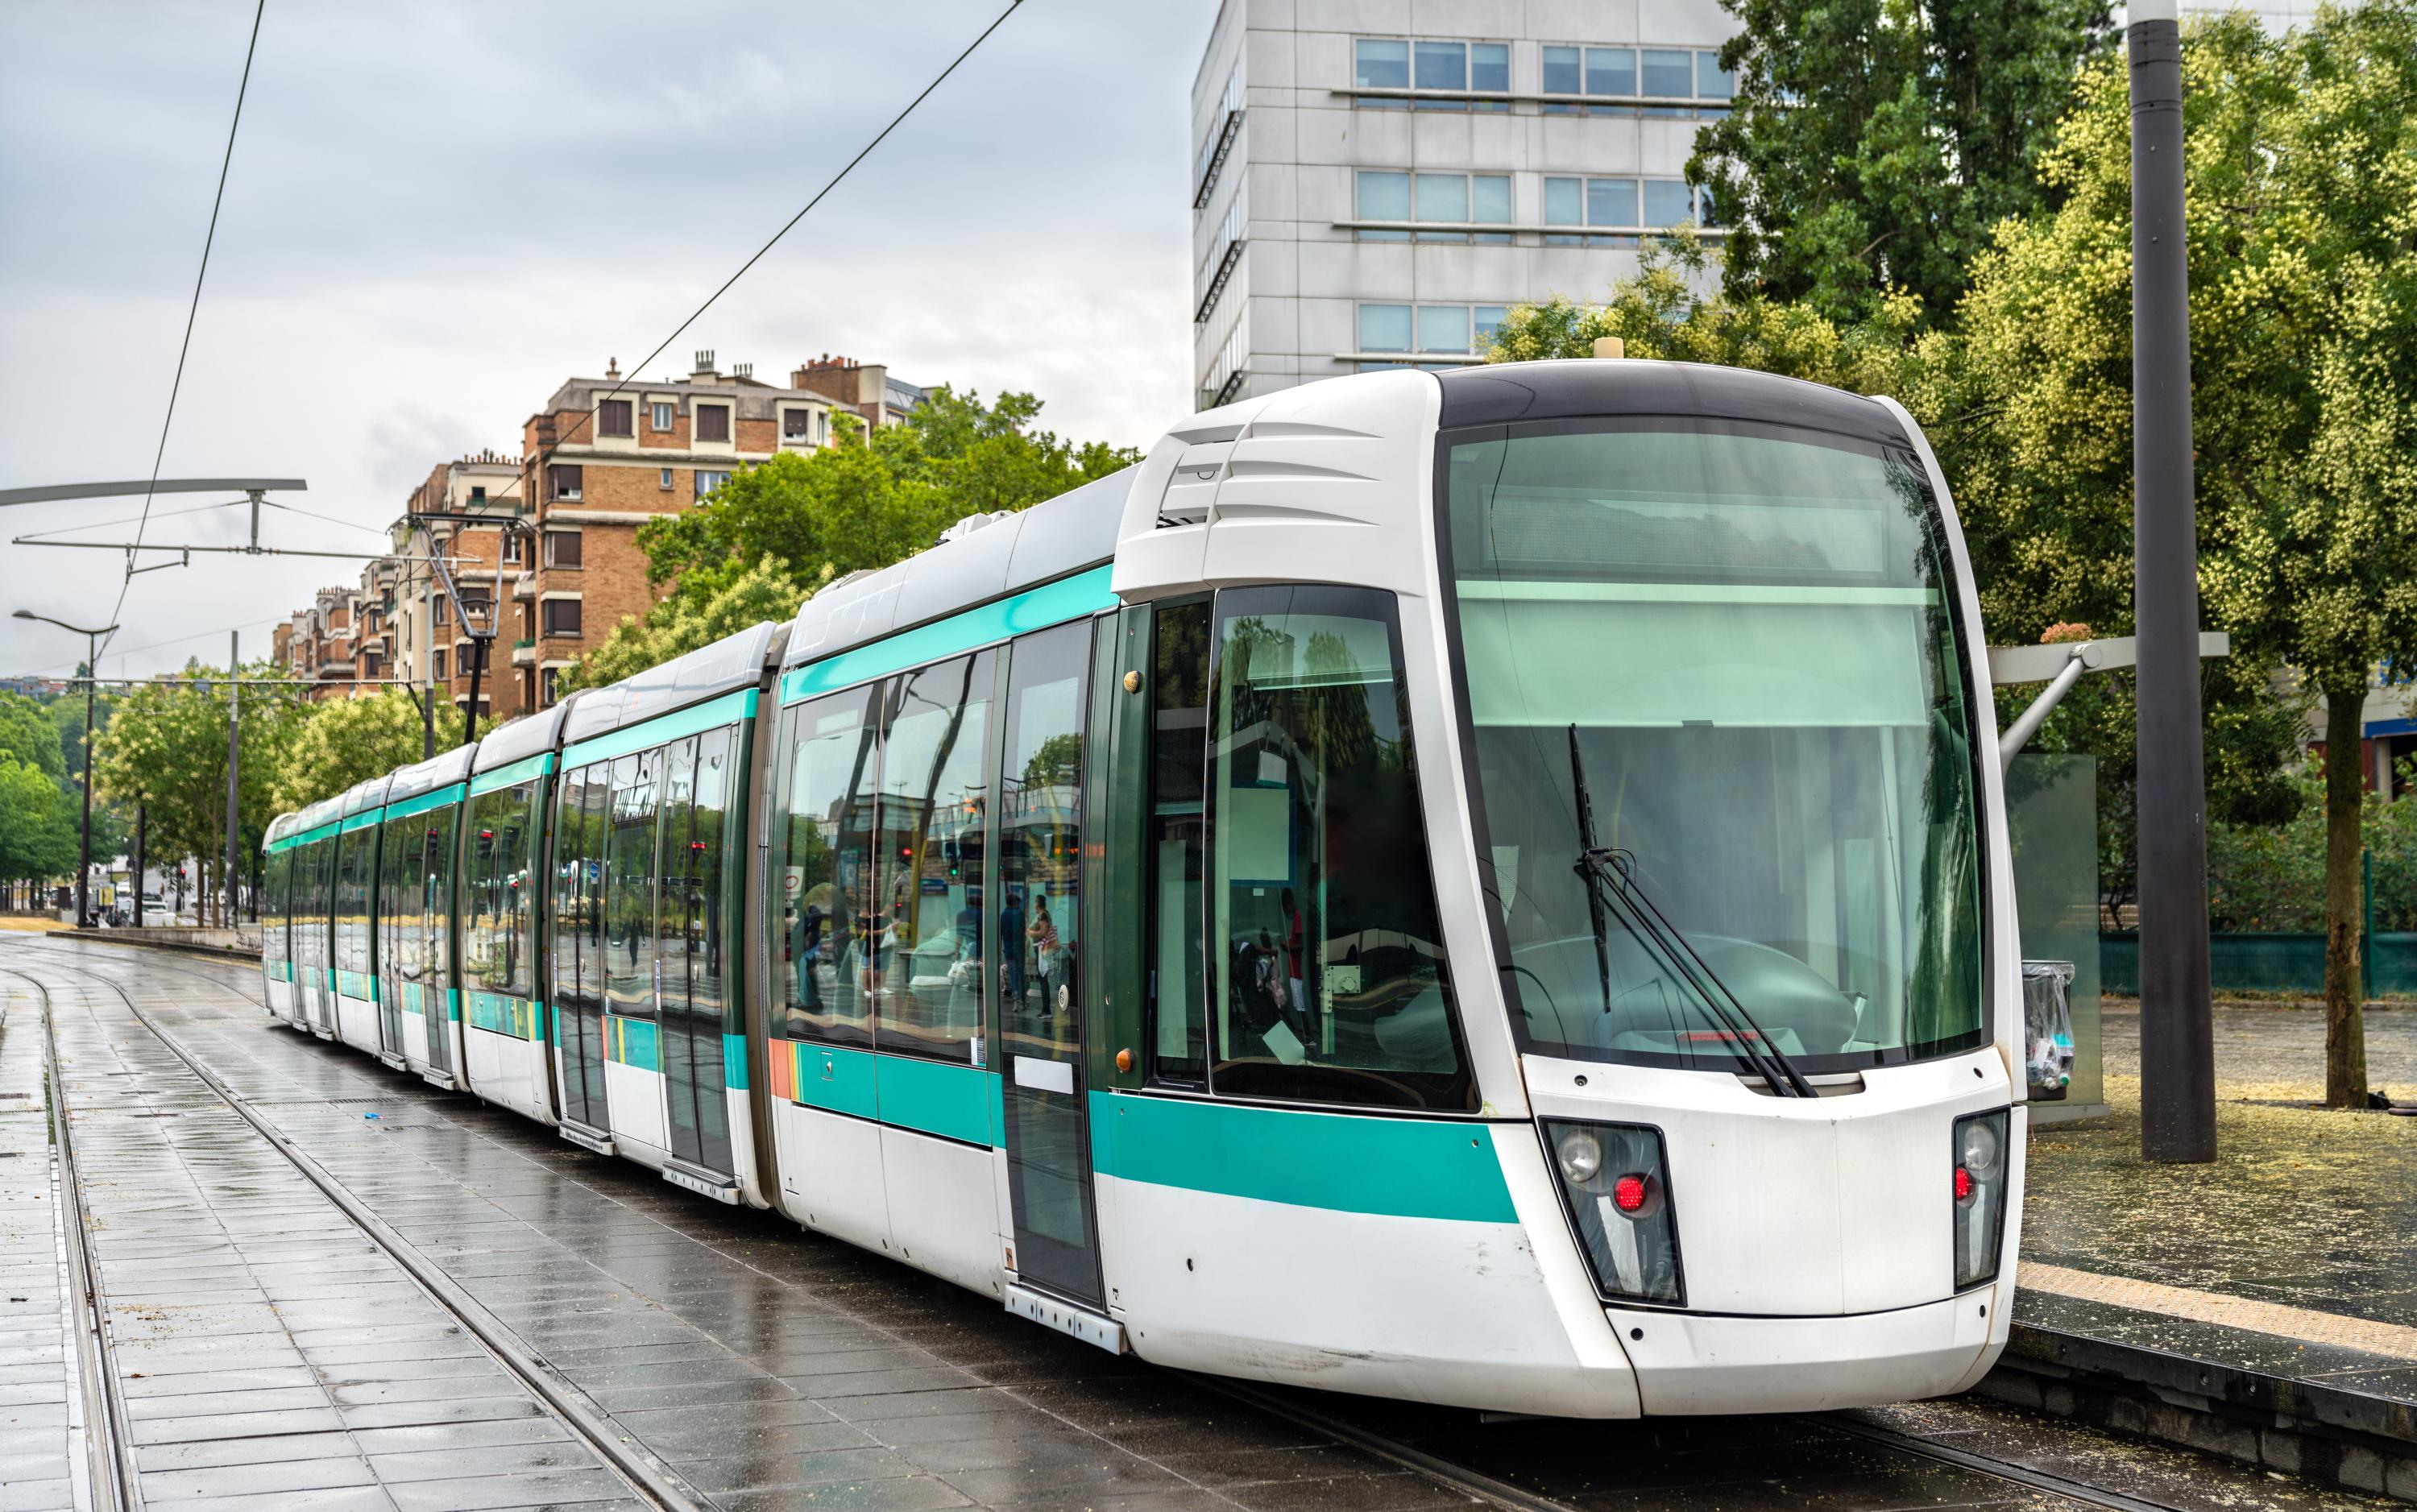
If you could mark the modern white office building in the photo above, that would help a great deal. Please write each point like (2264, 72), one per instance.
(1376, 181)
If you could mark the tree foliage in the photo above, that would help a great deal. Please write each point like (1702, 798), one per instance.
(716, 601)
(27, 735)
(879, 496)
(777, 531)
(165, 750)
(344, 742)
(1873, 143)
(37, 835)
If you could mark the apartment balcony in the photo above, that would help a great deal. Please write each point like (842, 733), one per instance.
(524, 652)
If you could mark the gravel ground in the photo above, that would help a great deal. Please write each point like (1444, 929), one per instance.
(2302, 1205)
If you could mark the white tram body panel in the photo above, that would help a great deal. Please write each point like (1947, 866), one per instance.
(1481, 649)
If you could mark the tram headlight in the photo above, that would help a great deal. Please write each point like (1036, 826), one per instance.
(1979, 1181)
(1616, 1188)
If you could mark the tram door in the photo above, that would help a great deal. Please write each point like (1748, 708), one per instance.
(579, 946)
(1042, 994)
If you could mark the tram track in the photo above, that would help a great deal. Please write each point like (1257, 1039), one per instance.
(652, 1481)
(1356, 1423)
(108, 1457)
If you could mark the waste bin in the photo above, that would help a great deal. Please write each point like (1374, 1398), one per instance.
(2048, 1028)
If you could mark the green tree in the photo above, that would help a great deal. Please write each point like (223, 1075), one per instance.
(876, 497)
(37, 836)
(2301, 192)
(347, 741)
(804, 517)
(165, 747)
(715, 601)
(1873, 143)
(27, 733)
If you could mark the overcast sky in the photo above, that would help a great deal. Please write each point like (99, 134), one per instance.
(439, 211)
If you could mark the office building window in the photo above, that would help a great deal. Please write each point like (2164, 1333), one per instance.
(1611, 202)
(1712, 81)
(1447, 67)
(1442, 197)
(1623, 73)
(1384, 196)
(1414, 330)
(1669, 73)
(713, 422)
(661, 418)
(1384, 327)
(613, 417)
(561, 616)
(1382, 63)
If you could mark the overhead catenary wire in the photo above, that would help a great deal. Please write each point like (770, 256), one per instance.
(193, 309)
(620, 385)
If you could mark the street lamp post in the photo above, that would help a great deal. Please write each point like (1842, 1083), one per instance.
(92, 679)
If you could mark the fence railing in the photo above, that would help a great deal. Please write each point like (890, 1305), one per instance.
(2249, 961)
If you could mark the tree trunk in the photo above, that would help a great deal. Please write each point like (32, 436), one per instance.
(2345, 997)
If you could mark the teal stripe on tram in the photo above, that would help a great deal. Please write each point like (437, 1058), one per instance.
(514, 775)
(405, 807)
(1400, 1167)
(364, 820)
(311, 837)
(712, 715)
(835, 1078)
(353, 984)
(412, 993)
(502, 1014)
(733, 1062)
(937, 1097)
(1036, 609)
(453, 1005)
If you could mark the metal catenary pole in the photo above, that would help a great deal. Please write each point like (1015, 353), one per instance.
(234, 695)
(83, 870)
(141, 859)
(2177, 1036)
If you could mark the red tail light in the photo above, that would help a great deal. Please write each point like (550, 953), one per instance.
(1628, 1194)
(1963, 1184)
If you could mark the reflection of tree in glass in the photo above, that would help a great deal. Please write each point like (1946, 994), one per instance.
(1056, 763)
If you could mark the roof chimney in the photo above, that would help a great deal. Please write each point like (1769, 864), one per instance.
(612, 367)
(742, 369)
(703, 364)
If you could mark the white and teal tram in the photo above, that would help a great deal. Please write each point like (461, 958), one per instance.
(1488, 887)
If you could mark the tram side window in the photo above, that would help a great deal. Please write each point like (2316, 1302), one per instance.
(1178, 971)
(496, 905)
(355, 877)
(1332, 983)
(824, 869)
(629, 888)
(272, 906)
(578, 914)
(436, 891)
(397, 899)
(1041, 842)
(934, 802)
(707, 852)
(676, 887)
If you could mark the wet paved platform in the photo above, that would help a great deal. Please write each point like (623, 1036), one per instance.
(768, 1366)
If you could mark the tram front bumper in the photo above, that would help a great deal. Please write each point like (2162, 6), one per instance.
(1693, 1364)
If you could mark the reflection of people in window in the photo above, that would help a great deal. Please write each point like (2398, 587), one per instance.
(1292, 957)
(1044, 952)
(1011, 931)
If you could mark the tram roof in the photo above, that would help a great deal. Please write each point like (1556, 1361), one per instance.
(733, 662)
(365, 795)
(531, 735)
(1075, 530)
(1512, 392)
(441, 770)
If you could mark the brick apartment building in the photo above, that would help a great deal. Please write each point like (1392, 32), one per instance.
(606, 455)
(551, 536)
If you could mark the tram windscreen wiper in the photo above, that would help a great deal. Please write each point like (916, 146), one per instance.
(1606, 874)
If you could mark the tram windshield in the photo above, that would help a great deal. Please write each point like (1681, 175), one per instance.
(1748, 627)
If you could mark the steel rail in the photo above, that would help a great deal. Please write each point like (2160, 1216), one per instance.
(108, 1443)
(1982, 1464)
(649, 1477)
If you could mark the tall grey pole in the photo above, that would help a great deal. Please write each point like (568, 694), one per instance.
(428, 651)
(83, 871)
(2177, 1032)
(235, 691)
(141, 859)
